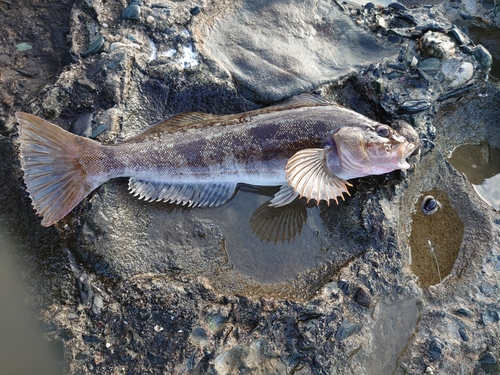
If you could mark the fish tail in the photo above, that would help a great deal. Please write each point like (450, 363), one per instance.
(54, 173)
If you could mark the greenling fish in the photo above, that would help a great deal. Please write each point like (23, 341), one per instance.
(307, 146)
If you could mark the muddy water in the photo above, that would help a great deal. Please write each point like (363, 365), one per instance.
(435, 240)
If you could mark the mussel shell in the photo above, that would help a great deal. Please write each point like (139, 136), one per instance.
(430, 205)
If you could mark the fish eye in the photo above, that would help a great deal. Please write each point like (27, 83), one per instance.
(383, 131)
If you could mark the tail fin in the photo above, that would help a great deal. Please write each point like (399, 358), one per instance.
(50, 160)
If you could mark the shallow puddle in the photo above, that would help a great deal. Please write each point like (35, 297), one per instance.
(241, 247)
(435, 240)
(481, 165)
(272, 244)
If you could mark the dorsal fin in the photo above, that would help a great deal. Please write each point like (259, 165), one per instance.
(304, 100)
(189, 120)
(196, 120)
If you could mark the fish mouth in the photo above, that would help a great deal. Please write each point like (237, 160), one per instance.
(404, 151)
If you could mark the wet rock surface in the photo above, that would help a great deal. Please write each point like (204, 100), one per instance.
(121, 285)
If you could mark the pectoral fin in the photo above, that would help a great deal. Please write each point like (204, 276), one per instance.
(308, 174)
(190, 195)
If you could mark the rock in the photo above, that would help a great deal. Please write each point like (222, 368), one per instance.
(490, 316)
(438, 45)
(69, 57)
(483, 57)
(153, 258)
(5, 60)
(22, 47)
(463, 334)
(344, 286)
(199, 337)
(362, 297)
(489, 363)
(132, 12)
(414, 106)
(435, 349)
(463, 312)
(276, 57)
(430, 66)
(458, 73)
(94, 47)
(97, 304)
(254, 355)
(347, 329)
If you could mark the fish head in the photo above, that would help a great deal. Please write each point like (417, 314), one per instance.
(363, 151)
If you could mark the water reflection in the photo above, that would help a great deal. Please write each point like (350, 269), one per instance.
(489, 191)
(272, 244)
(481, 165)
(278, 224)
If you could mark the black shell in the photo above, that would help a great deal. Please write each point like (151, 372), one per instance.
(430, 205)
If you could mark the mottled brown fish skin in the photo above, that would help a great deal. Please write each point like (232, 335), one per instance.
(249, 142)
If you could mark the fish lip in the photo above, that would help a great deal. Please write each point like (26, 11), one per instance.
(404, 151)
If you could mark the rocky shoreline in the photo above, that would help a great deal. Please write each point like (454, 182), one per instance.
(125, 286)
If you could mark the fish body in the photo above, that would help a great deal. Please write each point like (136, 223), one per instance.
(307, 146)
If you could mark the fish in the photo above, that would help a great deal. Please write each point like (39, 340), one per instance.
(307, 146)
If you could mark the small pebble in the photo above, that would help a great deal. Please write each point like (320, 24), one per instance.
(21, 47)
(195, 11)
(94, 47)
(97, 304)
(435, 348)
(483, 57)
(98, 130)
(347, 329)
(199, 337)
(463, 334)
(150, 19)
(488, 363)
(363, 297)
(414, 106)
(458, 35)
(5, 60)
(457, 72)
(463, 312)
(344, 286)
(132, 12)
(429, 66)
(216, 322)
(87, 84)
(465, 16)
(490, 317)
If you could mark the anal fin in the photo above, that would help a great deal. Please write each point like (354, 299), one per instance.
(190, 194)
